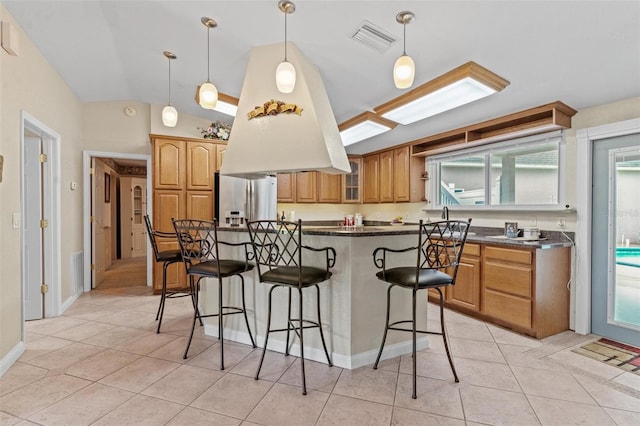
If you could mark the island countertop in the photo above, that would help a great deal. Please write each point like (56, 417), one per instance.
(477, 234)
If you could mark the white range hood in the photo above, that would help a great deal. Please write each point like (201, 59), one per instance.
(286, 142)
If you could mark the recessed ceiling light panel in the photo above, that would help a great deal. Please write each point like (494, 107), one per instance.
(374, 37)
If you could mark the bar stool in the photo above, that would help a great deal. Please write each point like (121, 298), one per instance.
(199, 246)
(278, 253)
(439, 249)
(167, 257)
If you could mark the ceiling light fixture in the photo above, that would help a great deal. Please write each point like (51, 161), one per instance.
(226, 104)
(460, 86)
(404, 69)
(169, 113)
(286, 72)
(364, 126)
(207, 93)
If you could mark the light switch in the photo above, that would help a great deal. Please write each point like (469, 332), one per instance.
(15, 221)
(73, 186)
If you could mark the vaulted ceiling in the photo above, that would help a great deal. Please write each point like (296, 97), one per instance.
(583, 53)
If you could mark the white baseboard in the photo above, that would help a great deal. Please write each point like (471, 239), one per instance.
(67, 304)
(349, 362)
(11, 358)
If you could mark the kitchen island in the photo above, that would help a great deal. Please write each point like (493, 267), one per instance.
(353, 301)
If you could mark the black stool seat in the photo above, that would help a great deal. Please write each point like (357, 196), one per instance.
(227, 268)
(305, 276)
(406, 277)
(166, 255)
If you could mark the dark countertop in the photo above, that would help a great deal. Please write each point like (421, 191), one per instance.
(477, 234)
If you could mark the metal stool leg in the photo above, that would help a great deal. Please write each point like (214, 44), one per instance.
(444, 336)
(304, 379)
(196, 313)
(324, 344)
(413, 348)
(386, 328)
(289, 324)
(163, 297)
(244, 311)
(266, 337)
(220, 324)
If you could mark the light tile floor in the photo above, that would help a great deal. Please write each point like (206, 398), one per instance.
(102, 363)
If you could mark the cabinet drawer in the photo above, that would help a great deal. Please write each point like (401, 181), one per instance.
(471, 250)
(524, 257)
(511, 309)
(512, 279)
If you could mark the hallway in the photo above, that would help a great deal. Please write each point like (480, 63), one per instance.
(102, 363)
(130, 272)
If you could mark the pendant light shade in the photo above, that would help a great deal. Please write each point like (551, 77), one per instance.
(207, 92)
(286, 72)
(286, 77)
(169, 113)
(404, 69)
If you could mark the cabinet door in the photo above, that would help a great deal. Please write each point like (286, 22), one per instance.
(201, 158)
(166, 205)
(401, 174)
(352, 182)
(466, 292)
(371, 170)
(386, 176)
(200, 205)
(168, 164)
(286, 188)
(306, 187)
(329, 188)
(220, 150)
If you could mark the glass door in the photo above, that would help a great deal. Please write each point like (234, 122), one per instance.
(616, 239)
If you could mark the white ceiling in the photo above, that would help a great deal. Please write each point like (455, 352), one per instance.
(583, 53)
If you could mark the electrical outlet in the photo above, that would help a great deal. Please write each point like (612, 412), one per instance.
(561, 222)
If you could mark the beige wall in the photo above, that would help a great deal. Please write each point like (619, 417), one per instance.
(29, 83)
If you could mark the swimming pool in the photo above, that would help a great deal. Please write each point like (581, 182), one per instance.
(628, 256)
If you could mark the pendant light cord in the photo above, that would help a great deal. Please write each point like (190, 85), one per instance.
(169, 81)
(404, 41)
(285, 36)
(208, 54)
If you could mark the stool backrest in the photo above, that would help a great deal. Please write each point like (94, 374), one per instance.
(276, 243)
(154, 235)
(440, 245)
(198, 240)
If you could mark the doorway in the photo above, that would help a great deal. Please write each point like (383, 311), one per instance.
(606, 165)
(40, 219)
(615, 256)
(110, 210)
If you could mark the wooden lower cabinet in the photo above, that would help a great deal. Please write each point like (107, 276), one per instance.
(168, 204)
(521, 289)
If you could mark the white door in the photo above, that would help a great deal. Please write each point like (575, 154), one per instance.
(138, 210)
(33, 235)
(615, 256)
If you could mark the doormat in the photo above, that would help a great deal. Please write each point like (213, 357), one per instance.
(625, 357)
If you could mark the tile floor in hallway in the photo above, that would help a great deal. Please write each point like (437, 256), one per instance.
(102, 363)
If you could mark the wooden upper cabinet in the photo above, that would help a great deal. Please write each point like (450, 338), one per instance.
(371, 177)
(306, 187)
(402, 174)
(286, 188)
(168, 164)
(329, 188)
(220, 150)
(352, 182)
(201, 160)
(386, 176)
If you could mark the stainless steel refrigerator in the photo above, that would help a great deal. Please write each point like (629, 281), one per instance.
(239, 200)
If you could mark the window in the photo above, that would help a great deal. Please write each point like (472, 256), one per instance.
(520, 172)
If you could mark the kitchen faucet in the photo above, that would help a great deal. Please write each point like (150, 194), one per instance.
(445, 213)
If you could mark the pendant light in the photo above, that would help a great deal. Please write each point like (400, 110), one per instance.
(207, 93)
(169, 113)
(286, 72)
(404, 70)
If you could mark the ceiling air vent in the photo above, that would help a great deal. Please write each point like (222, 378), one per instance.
(373, 36)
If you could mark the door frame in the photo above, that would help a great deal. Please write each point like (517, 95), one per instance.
(584, 178)
(51, 210)
(86, 207)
